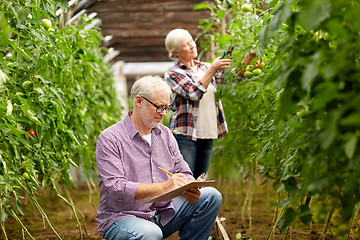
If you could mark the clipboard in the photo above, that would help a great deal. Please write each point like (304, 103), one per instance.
(177, 191)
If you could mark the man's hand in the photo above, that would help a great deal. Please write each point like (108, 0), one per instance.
(192, 195)
(146, 190)
(176, 180)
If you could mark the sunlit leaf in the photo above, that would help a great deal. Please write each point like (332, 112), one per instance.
(350, 146)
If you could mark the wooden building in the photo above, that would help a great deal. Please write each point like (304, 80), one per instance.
(139, 27)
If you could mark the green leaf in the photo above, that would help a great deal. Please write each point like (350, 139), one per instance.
(324, 93)
(351, 120)
(318, 184)
(283, 203)
(313, 13)
(281, 14)
(287, 219)
(19, 207)
(310, 72)
(327, 136)
(305, 214)
(350, 146)
(200, 6)
(4, 29)
(72, 135)
(4, 215)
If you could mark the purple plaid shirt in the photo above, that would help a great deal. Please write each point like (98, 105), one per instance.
(185, 102)
(124, 159)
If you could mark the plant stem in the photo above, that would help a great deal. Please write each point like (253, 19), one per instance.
(36, 203)
(276, 219)
(357, 208)
(3, 230)
(22, 225)
(74, 209)
(287, 233)
(248, 200)
(327, 222)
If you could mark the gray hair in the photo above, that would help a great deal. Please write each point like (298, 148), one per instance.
(146, 85)
(172, 41)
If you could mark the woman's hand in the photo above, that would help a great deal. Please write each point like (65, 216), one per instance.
(192, 195)
(220, 64)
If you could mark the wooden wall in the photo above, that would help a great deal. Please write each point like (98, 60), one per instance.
(139, 27)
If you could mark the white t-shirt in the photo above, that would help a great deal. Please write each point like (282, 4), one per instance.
(148, 138)
(206, 123)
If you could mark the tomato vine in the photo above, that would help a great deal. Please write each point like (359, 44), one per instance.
(297, 123)
(53, 81)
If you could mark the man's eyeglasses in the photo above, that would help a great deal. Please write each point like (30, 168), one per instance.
(159, 109)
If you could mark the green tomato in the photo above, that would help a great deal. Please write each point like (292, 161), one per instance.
(246, 8)
(248, 74)
(26, 176)
(249, 67)
(9, 56)
(26, 84)
(47, 23)
(257, 71)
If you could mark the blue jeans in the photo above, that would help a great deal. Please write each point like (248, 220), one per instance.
(194, 221)
(196, 153)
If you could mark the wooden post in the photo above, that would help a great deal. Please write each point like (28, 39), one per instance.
(220, 229)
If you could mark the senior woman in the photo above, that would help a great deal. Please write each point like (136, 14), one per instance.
(197, 118)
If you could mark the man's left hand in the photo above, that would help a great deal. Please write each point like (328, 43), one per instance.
(192, 195)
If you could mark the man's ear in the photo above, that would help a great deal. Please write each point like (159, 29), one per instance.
(138, 101)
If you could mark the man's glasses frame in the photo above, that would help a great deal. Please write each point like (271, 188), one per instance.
(159, 109)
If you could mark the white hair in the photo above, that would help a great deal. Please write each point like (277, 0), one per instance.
(146, 86)
(172, 41)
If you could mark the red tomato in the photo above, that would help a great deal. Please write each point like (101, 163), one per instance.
(32, 133)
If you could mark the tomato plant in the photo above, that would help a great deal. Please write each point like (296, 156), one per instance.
(298, 120)
(53, 80)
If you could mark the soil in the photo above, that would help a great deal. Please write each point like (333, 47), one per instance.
(237, 225)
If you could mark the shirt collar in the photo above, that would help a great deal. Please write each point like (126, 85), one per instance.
(131, 129)
(183, 66)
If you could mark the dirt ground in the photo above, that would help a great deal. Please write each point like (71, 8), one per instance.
(236, 225)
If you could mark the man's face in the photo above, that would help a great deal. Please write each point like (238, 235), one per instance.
(148, 113)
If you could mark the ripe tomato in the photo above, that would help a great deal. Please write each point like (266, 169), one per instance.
(32, 133)
(259, 64)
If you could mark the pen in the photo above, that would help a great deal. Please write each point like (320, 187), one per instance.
(170, 173)
(165, 170)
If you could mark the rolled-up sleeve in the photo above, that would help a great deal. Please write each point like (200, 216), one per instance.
(110, 167)
(183, 85)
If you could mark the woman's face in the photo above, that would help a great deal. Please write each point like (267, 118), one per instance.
(187, 49)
